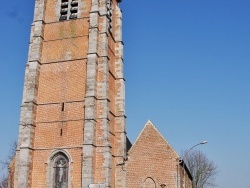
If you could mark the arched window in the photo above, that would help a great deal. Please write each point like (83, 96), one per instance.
(60, 171)
(149, 183)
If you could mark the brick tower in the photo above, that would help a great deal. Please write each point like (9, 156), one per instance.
(72, 124)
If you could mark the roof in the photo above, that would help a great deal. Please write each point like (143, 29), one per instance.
(182, 164)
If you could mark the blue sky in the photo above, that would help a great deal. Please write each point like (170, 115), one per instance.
(187, 66)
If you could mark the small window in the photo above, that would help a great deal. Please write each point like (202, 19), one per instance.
(149, 183)
(68, 10)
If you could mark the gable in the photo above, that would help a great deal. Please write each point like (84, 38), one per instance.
(151, 160)
(151, 140)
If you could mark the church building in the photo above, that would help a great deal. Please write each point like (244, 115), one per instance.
(153, 163)
(72, 131)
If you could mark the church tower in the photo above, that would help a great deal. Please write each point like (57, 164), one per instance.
(72, 122)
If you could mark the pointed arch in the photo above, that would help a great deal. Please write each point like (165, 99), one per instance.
(58, 169)
(149, 183)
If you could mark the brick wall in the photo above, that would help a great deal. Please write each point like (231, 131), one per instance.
(73, 99)
(61, 92)
(153, 162)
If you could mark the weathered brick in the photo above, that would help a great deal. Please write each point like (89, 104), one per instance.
(153, 162)
(71, 91)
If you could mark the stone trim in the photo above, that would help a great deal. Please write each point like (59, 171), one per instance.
(49, 169)
(90, 100)
(28, 108)
(120, 118)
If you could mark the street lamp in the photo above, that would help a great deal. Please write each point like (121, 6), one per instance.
(182, 160)
(202, 142)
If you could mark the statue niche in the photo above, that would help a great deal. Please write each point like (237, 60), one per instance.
(61, 168)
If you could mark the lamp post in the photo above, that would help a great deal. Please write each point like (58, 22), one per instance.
(202, 142)
(182, 160)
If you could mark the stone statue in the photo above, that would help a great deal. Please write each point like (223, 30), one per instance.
(61, 173)
(60, 166)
